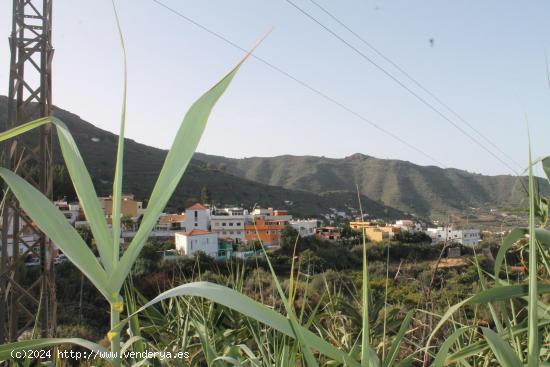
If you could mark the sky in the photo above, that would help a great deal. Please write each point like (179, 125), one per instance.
(487, 62)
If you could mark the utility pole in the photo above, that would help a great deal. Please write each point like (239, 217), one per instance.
(30, 156)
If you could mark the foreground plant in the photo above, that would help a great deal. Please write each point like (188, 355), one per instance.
(519, 315)
(514, 342)
(109, 273)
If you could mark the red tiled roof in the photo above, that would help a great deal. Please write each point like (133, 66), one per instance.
(197, 206)
(195, 232)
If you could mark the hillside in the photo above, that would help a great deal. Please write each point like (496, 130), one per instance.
(143, 163)
(422, 190)
(313, 184)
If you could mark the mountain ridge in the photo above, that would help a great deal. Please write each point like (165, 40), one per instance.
(423, 190)
(142, 165)
(315, 183)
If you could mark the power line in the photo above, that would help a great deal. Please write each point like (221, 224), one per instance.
(415, 81)
(302, 83)
(401, 84)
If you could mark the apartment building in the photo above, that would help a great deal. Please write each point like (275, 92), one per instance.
(129, 206)
(305, 227)
(376, 232)
(466, 237)
(229, 223)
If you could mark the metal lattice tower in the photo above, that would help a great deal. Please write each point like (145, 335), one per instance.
(29, 97)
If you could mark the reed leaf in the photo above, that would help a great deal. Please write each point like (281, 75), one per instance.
(23, 128)
(503, 352)
(394, 349)
(54, 224)
(81, 179)
(495, 294)
(250, 308)
(507, 243)
(117, 181)
(533, 347)
(480, 346)
(177, 159)
(546, 167)
(443, 353)
(86, 193)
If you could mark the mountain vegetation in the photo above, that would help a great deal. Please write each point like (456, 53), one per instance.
(421, 190)
(305, 185)
(142, 165)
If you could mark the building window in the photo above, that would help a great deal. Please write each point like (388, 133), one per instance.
(196, 214)
(223, 224)
(238, 224)
(231, 224)
(196, 224)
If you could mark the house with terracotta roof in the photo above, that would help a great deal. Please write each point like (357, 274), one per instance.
(197, 216)
(171, 222)
(190, 242)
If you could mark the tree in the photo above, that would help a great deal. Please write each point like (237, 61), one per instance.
(289, 236)
(205, 195)
(410, 237)
(347, 232)
(62, 185)
(310, 260)
(127, 222)
(148, 260)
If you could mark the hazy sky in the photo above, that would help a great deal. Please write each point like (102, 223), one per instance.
(487, 62)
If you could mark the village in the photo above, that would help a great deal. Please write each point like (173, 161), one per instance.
(223, 233)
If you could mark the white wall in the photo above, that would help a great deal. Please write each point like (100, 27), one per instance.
(189, 245)
(197, 219)
(467, 237)
(304, 227)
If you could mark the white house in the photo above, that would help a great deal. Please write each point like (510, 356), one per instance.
(305, 227)
(197, 217)
(470, 237)
(408, 225)
(229, 223)
(71, 211)
(270, 213)
(188, 243)
(466, 237)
